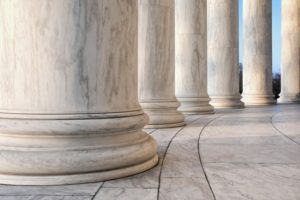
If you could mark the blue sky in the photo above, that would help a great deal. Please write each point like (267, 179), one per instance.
(276, 24)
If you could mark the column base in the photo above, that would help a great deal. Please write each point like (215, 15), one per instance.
(72, 149)
(285, 99)
(163, 114)
(195, 106)
(78, 178)
(258, 100)
(225, 102)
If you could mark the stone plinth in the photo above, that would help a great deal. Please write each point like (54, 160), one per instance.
(257, 69)
(191, 57)
(68, 83)
(223, 47)
(290, 51)
(156, 64)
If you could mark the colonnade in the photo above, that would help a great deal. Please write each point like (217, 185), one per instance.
(79, 80)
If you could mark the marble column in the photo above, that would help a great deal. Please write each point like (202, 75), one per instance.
(290, 51)
(68, 83)
(223, 54)
(191, 56)
(156, 64)
(257, 69)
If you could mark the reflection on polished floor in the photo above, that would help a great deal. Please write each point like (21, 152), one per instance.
(252, 153)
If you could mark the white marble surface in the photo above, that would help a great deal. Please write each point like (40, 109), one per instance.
(46, 198)
(126, 194)
(57, 63)
(191, 56)
(223, 53)
(246, 164)
(288, 124)
(63, 190)
(185, 189)
(238, 132)
(254, 181)
(156, 63)
(69, 101)
(290, 51)
(241, 153)
(257, 66)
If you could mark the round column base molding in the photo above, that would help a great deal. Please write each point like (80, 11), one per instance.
(71, 151)
(163, 114)
(286, 99)
(195, 106)
(258, 100)
(170, 125)
(224, 102)
(91, 177)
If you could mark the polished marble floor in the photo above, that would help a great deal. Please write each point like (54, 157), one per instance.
(247, 154)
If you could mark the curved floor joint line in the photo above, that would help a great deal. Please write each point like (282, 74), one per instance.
(199, 154)
(280, 132)
(163, 159)
(94, 196)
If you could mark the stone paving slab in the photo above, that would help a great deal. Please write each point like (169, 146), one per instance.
(224, 153)
(62, 190)
(126, 194)
(184, 188)
(34, 197)
(287, 123)
(247, 154)
(254, 181)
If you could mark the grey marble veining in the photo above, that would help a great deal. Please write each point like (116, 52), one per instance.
(69, 98)
(156, 63)
(257, 66)
(184, 189)
(181, 154)
(239, 161)
(250, 153)
(191, 56)
(46, 198)
(126, 194)
(223, 53)
(64, 57)
(238, 129)
(290, 51)
(254, 181)
(65, 190)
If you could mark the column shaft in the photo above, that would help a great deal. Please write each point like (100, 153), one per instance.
(290, 51)
(156, 63)
(68, 83)
(257, 69)
(223, 47)
(191, 56)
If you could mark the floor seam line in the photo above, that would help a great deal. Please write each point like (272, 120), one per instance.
(150, 133)
(251, 163)
(200, 159)
(100, 187)
(164, 155)
(46, 195)
(280, 132)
